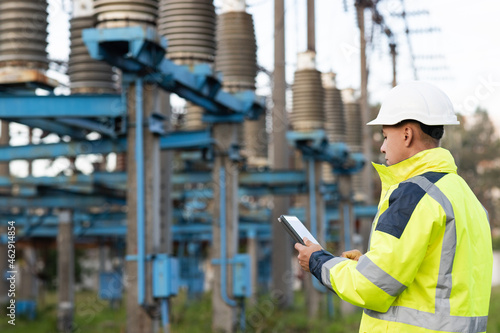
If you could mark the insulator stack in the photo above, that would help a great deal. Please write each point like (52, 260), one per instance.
(236, 59)
(354, 125)
(126, 13)
(189, 26)
(256, 141)
(354, 134)
(193, 118)
(236, 56)
(334, 117)
(334, 109)
(121, 162)
(308, 94)
(86, 75)
(23, 34)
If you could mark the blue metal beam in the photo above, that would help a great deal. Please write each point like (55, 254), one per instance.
(67, 149)
(61, 106)
(186, 140)
(272, 177)
(251, 183)
(52, 126)
(333, 213)
(180, 232)
(142, 51)
(60, 201)
(90, 125)
(110, 179)
(173, 140)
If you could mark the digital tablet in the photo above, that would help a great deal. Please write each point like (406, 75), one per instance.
(296, 229)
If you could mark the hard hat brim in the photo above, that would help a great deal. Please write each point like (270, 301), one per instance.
(382, 122)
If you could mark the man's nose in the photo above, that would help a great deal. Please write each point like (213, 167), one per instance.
(382, 148)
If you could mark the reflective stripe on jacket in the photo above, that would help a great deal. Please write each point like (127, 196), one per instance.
(429, 266)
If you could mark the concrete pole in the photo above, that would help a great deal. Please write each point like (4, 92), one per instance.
(28, 290)
(4, 171)
(393, 56)
(167, 159)
(311, 28)
(253, 251)
(65, 272)
(315, 209)
(223, 315)
(138, 319)
(282, 247)
(166, 172)
(365, 109)
(346, 221)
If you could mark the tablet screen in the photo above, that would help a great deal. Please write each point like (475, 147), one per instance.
(301, 230)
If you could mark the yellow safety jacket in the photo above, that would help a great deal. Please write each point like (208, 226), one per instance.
(429, 264)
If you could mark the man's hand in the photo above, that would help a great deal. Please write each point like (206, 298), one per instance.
(305, 252)
(352, 254)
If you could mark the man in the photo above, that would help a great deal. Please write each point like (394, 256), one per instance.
(429, 263)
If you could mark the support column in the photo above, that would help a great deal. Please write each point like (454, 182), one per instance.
(393, 56)
(167, 160)
(139, 317)
(65, 272)
(253, 251)
(4, 171)
(315, 216)
(224, 315)
(28, 289)
(282, 247)
(311, 26)
(365, 109)
(346, 221)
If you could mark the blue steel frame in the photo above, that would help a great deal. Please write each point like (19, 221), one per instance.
(141, 55)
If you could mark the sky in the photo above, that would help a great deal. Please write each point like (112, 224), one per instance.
(467, 44)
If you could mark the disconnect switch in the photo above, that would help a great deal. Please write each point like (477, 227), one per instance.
(165, 276)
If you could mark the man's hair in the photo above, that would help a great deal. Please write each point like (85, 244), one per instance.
(434, 132)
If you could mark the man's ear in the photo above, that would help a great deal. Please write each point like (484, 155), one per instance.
(409, 134)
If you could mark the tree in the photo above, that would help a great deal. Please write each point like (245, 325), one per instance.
(476, 149)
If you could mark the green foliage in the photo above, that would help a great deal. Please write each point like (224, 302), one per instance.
(496, 243)
(49, 272)
(476, 149)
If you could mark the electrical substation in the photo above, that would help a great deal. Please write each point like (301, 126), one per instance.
(176, 199)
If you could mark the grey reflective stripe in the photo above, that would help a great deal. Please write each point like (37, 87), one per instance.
(379, 277)
(444, 283)
(325, 270)
(431, 321)
(441, 320)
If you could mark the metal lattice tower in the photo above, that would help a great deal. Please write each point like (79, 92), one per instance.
(308, 95)
(23, 34)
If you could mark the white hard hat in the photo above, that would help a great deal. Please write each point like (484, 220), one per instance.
(419, 101)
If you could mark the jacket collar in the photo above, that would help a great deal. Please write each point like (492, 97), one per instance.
(435, 159)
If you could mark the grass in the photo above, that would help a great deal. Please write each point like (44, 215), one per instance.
(194, 315)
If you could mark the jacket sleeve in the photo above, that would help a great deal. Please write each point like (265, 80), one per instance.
(398, 247)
